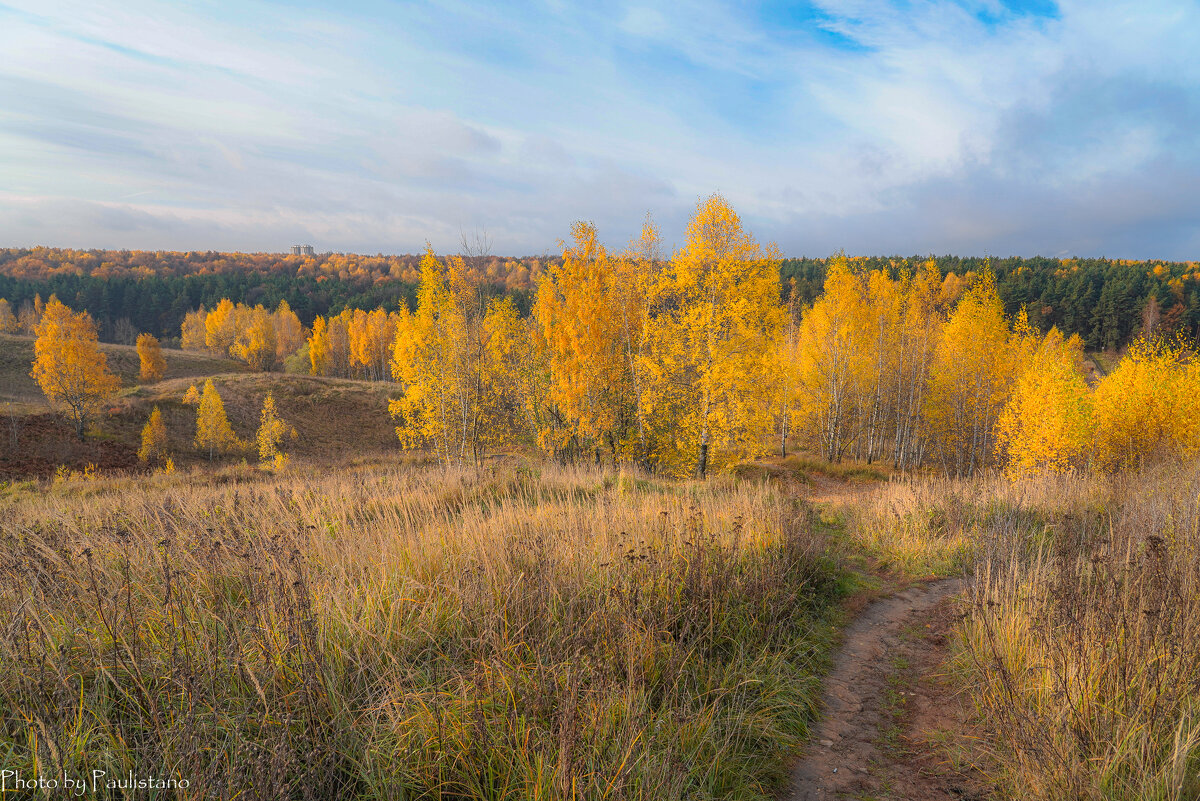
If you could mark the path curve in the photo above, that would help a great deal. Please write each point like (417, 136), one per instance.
(843, 750)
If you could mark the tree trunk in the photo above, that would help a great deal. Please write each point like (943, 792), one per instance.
(702, 462)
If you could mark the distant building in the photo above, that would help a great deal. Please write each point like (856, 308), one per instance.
(302, 250)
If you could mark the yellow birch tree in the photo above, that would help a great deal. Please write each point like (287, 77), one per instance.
(194, 330)
(8, 321)
(429, 362)
(969, 380)
(289, 333)
(272, 430)
(580, 328)
(254, 339)
(69, 365)
(1148, 408)
(213, 432)
(318, 347)
(154, 440)
(832, 356)
(719, 314)
(152, 365)
(1046, 425)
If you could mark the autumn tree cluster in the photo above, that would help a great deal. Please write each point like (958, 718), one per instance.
(26, 319)
(254, 335)
(354, 344)
(626, 357)
(691, 363)
(8, 321)
(922, 370)
(215, 434)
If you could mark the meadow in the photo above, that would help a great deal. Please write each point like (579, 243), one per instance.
(405, 631)
(1076, 645)
(395, 629)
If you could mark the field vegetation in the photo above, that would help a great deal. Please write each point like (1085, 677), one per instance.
(405, 632)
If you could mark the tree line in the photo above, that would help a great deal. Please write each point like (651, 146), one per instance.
(692, 362)
(1106, 302)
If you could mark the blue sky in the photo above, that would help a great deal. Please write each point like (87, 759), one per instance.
(970, 127)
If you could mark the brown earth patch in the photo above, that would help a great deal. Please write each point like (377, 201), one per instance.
(35, 446)
(892, 727)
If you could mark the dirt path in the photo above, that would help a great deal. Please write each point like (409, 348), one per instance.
(889, 726)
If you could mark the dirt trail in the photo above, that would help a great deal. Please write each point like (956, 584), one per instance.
(883, 708)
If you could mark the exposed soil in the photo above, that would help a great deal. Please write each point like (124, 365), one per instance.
(34, 446)
(891, 728)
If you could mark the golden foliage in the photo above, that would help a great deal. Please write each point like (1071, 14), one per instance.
(580, 336)
(371, 335)
(271, 432)
(432, 361)
(8, 320)
(318, 347)
(289, 333)
(154, 441)
(220, 328)
(194, 331)
(971, 376)
(1148, 408)
(830, 361)
(1046, 425)
(69, 365)
(329, 351)
(30, 314)
(253, 334)
(152, 364)
(709, 343)
(512, 380)
(213, 432)
(254, 337)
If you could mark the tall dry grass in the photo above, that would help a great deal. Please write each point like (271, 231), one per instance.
(398, 632)
(920, 526)
(1081, 641)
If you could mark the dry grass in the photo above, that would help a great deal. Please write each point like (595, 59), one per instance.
(1079, 644)
(396, 632)
(922, 526)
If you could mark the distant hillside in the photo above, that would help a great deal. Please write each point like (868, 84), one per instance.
(20, 392)
(127, 292)
(336, 418)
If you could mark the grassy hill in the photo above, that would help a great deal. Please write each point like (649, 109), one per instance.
(22, 395)
(336, 418)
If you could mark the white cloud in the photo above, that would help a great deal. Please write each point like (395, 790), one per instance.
(149, 124)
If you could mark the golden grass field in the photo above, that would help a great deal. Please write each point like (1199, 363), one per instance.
(404, 632)
(1078, 645)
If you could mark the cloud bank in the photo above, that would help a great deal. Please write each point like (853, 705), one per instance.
(970, 127)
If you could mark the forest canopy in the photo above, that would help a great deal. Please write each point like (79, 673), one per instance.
(1104, 301)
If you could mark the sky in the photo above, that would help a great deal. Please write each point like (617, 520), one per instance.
(969, 127)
